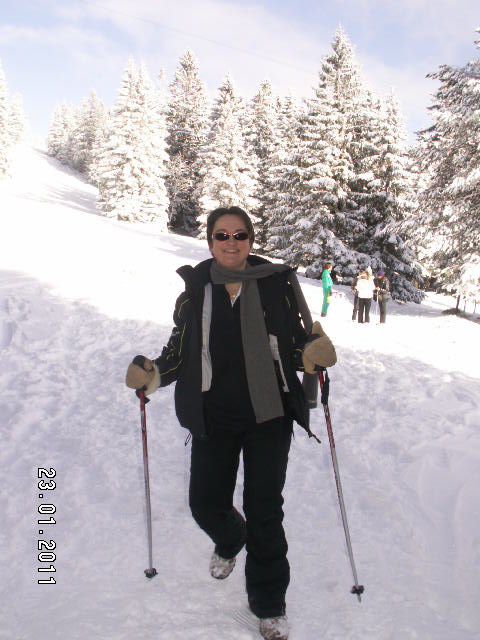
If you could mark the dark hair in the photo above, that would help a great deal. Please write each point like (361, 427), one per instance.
(328, 264)
(214, 215)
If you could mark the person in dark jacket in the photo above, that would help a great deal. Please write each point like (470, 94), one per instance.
(242, 331)
(383, 294)
(355, 296)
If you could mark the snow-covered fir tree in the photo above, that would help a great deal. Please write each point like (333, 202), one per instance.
(323, 163)
(263, 140)
(75, 132)
(282, 184)
(13, 124)
(60, 131)
(346, 195)
(5, 141)
(131, 169)
(450, 155)
(383, 189)
(396, 203)
(98, 145)
(90, 118)
(17, 120)
(228, 170)
(364, 149)
(187, 126)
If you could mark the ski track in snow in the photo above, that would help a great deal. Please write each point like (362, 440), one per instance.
(80, 295)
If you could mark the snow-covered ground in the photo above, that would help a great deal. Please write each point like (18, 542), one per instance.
(80, 295)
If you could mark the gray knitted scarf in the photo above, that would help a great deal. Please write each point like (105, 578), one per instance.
(261, 376)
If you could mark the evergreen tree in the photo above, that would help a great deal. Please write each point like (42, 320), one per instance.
(132, 165)
(84, 137)
(60, 131)
(450, 155)
(349, 179)
(365, 152)
(5, 141)
(323, 164)
(187, 124)
(262, 138)
(17, 120)
(282, 184)
(384, 189)
(229, 176)
(99, 143)
(397, 203)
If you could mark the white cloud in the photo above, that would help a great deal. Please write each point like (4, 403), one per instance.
(253, 42)
(86, 54)
(247, 36)
(61, 36)
(448, 24)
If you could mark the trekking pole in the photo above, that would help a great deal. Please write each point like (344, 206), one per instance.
(357, 589)
(151, 571)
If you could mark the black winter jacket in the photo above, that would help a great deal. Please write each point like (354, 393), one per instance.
(383, 286)
(181, 358)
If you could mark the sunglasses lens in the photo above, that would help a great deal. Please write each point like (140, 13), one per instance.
(222, 236)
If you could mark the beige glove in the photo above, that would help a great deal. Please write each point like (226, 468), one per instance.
(320, 351)
(142, 374)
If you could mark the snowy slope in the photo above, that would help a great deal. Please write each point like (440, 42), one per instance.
(79, 296)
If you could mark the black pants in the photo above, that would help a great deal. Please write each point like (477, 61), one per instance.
(355, 306)
(214, 466)
(364, 305)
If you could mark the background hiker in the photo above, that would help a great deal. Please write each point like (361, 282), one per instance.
(383, 295)
(355, 296)
(327, 285)
(365, 288)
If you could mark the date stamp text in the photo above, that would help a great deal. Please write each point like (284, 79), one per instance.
(46, 510)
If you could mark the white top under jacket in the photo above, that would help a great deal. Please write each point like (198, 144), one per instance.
(365, 287)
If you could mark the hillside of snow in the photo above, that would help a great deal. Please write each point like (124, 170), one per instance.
(80, 295)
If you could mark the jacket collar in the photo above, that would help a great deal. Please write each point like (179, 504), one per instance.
(199, 275)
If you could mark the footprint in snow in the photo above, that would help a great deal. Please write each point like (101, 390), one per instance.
(6, 326)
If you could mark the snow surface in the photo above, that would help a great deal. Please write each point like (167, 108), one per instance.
(80, 295)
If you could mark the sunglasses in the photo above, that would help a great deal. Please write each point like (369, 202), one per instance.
(222, 236)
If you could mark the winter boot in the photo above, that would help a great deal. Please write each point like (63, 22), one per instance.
(274, 628)
(221, 568)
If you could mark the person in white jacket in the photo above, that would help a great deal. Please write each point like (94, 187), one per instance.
(365, 288)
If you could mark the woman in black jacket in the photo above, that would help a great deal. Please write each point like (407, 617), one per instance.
(382, 294)
(242, 330)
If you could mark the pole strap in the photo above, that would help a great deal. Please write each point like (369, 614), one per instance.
(325, 385)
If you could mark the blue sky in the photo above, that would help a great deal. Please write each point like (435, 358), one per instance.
(54, 51)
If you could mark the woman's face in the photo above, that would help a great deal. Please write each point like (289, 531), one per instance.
(230, 254)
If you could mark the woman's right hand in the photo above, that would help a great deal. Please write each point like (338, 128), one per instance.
(142, 374)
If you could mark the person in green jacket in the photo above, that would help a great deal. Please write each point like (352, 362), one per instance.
(327, 285)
